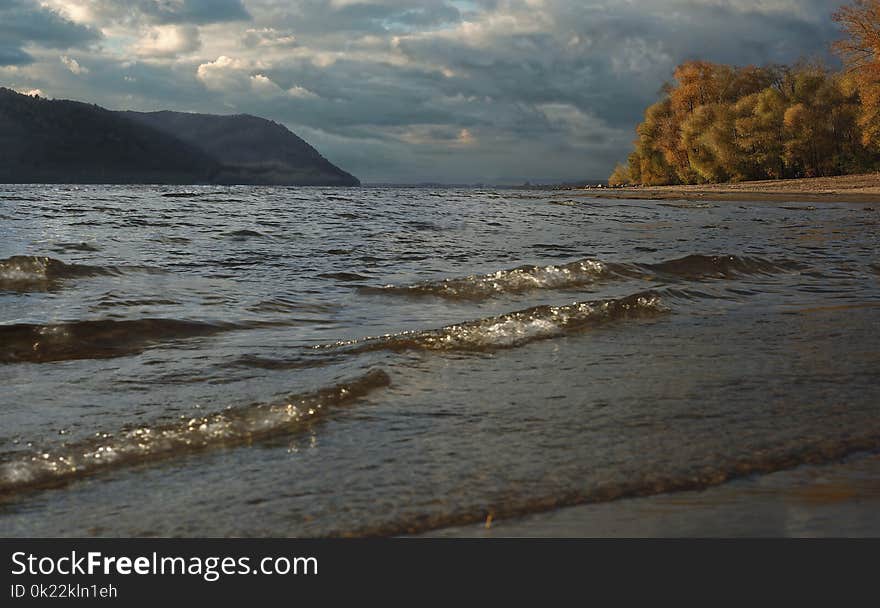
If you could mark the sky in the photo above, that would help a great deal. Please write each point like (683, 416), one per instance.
(406, 91)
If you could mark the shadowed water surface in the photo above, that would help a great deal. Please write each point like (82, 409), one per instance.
(310, 361)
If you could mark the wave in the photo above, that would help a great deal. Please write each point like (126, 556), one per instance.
(585, 272)
(65, 247)
(25, 272)
(189, 194)
(696, 267)
(344, 277)
(100, 339)
(512, 329)
(241, 235)
(516, 280)
(228, 428)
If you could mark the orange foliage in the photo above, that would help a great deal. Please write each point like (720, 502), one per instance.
(860, 51)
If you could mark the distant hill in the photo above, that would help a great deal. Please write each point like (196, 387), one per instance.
(44, 141)
(55, 141)
(252, 150)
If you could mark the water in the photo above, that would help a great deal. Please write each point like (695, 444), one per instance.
(307, 361)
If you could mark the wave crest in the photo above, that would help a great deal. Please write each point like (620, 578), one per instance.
(585, 272)
(513, 329)
(228, 428)
(516, 280)
(23, 272)
(101, 339)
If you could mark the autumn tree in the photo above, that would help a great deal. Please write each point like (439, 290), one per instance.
(652, 145)
(760, 124)
(717, 122)
(620, 176)
(821, 132)
(860, 51)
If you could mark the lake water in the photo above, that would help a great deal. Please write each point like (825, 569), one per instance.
(307, 362)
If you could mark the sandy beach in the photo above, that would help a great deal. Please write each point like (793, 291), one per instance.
(846, 188)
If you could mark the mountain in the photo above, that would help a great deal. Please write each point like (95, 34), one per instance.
(252, 150)
(58, 141)
(44, 141)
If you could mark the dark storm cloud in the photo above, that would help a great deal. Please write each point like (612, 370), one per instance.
(197, 12)
(612, 60)
(24, 23)
(13, 55)
(317, 17)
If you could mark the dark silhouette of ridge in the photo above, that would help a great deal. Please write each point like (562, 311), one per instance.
(252, 150)
(44, 141)
(59, 141)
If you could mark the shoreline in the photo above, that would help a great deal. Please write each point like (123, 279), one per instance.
(840, 189)
(839, 499)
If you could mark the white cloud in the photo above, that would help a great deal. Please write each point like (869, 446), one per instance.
(263, 85)
(235, 76)
(223, 74)
(75, 10)
(32, 92)
(168, 41)
(268, 37)
(299, 92)
(73, 65)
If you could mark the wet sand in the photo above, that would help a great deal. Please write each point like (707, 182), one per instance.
(837, 500)
(847, 188)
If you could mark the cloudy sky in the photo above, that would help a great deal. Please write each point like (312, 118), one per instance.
(405, 90)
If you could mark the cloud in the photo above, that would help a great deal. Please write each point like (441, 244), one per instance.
(138, 12)
(227, 74)
(24, 23)
(168, 41)
(263, 85)
(224, 74)
(268, 37)
(267, 88)
(194, 11)
(73, 65)
(299, 92)
(31, 92)
(13, 55)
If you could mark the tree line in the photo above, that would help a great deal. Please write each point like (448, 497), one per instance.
(719, 123)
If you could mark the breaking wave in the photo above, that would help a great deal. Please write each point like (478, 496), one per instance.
(228, 428)
(513, 329)
(517, 280)
(585, 272)
(24, 272)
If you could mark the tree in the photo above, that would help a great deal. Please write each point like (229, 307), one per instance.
(620, 177)
(634, 164)
(717, 122)
(708, 134)
(860, 52)
(652, 143)
(760, 124)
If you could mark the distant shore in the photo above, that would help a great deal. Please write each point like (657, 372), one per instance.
(846, 188)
